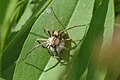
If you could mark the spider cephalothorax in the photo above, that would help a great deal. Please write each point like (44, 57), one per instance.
(58, 33)
(55, 43)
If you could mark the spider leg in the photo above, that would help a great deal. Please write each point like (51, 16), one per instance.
(77, 40)
(34, 66)
(46, 31)
(77, 26)
(37, 46)
(39, 41)
(52, 66)
(44, 70)
(38, 35)
(84, 35)
(63, 63)
(59, 61)
(57, 18)
(70, 41)
(75, 45)
(52, 25)
(50, 53)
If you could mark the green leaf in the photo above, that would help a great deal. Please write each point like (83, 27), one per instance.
(97, 68)
(7, 8)
(91, 45)
(70, 13)
(12, 50)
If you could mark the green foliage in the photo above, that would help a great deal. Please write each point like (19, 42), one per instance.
(20, 20)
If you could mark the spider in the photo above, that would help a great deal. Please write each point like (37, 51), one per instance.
(57, 43)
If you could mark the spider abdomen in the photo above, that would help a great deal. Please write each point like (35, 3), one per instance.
(55, 45)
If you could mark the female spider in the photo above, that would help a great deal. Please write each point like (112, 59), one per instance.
(57, 43)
